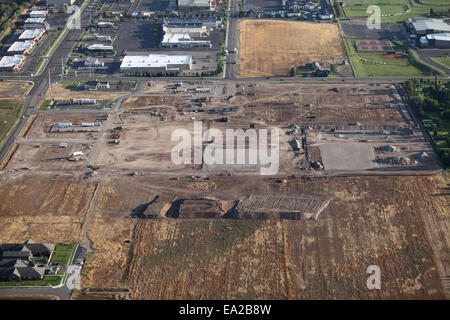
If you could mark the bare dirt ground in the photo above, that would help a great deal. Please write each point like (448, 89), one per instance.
(368, 221)
(43, 210)
(14, 89)
(60, 92)
(161, 231)
(270, 47)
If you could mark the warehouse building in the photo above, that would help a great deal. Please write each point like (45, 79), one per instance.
(194, 4)
(22, 47)
(209, 23)
(32, 34)
(12, 63)
(38, 14)
(155, 64)
(183, 40)
(439, 40)
(35, 23)
(193, 31)
(98, 47)
(59, 3)
(428, 26)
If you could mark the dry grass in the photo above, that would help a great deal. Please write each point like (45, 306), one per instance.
(269, 47)
(14, 89)
(59, 92)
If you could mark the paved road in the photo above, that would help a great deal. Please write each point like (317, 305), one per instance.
(427, 54)
(230, 71)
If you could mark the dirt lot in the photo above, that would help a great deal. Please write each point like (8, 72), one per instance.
(43, 210)
(369, 221)
(270, 48)
(16, 89)
(60, 92)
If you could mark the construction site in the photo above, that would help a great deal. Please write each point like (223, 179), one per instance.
(358, 184)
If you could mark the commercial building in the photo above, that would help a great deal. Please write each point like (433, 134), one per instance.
(428, 26)
(59, 3)
(209, 23)
(156, 64)
(35, 23)
(194, 4)
(12, 63)
(183, 40)
(22, 47)
(439, 40)
(38, 13)
(32, 34)
(193, 31)
(98, 47)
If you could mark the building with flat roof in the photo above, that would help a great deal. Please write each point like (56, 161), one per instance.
(156, 64)
(22, 47)
(59, 3)
(194, 4)
(193, 31)
(183, 40)
(32, 34)
(12, 63)
(439, 40)
(38, 13)
(100, 48)
(428, 26)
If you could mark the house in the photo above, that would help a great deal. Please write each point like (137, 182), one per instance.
(30, 247)
(94, 85)
(22, 273)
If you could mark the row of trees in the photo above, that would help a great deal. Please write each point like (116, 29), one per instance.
(9, 10)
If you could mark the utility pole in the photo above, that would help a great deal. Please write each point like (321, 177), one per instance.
(49, 80)
(62, 68)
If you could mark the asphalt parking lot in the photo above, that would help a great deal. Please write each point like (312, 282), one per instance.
(387, 31)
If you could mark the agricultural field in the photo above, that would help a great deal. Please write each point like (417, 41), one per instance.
(404, 63)
(371, 220)
(270, 48)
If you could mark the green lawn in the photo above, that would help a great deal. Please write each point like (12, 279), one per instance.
(396, 6)
(442, 61)
(63, 253)
(374, 65)
(53, 280)
(10, 111)
(45, 105)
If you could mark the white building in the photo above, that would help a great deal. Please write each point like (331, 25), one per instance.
(193, 31)
(439, 40)
(183, 40)
(15, 62)
(38, 13)
(59, 3)
(22, 47)
(100, 48)
(156, 64)
(32, 34)
(198, 4)
(428, 26)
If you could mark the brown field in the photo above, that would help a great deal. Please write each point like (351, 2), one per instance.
(60, 92)
(14, 89)
(270, 48)
(384, 221)
(43, 210)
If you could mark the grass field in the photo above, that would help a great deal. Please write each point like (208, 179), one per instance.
(45, 105)
(398, 9)
(374, 65)
(270, 48)
(62, 254)
(10, 110)
(442, 61)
